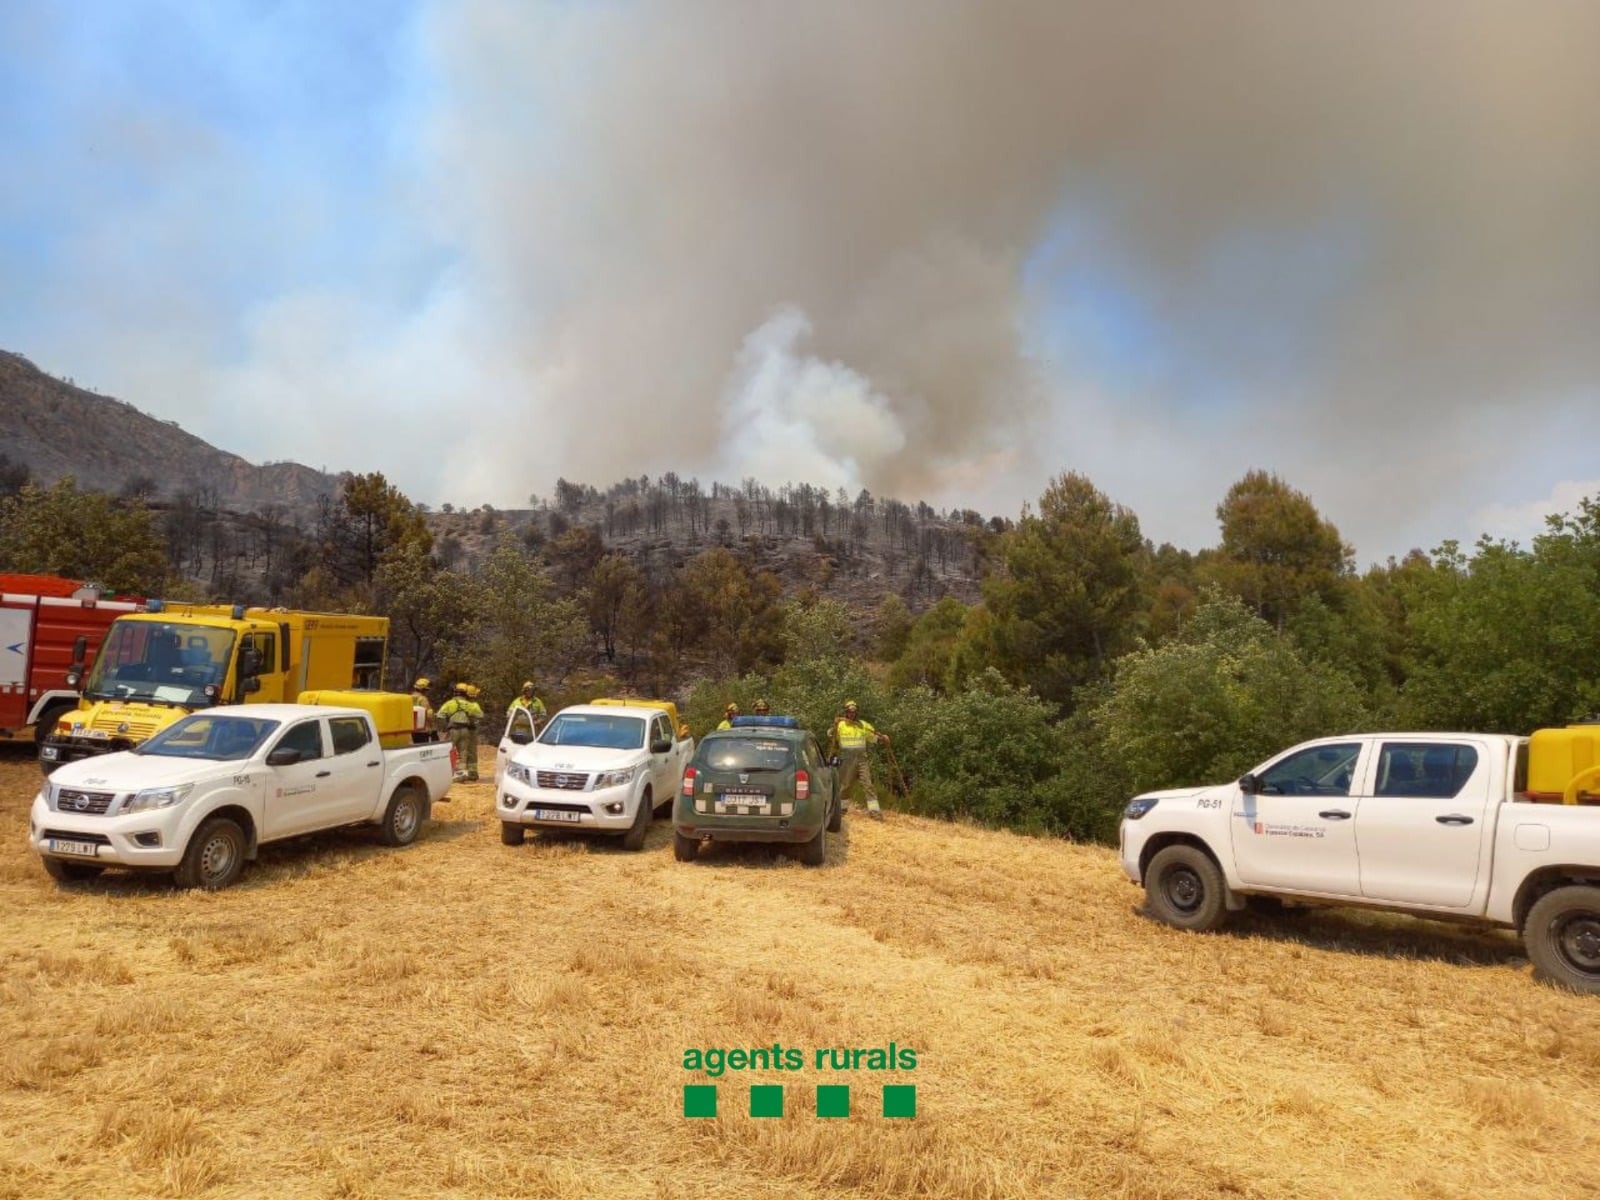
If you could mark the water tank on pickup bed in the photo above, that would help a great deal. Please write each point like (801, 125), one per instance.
(391, 711)
(1564, 764)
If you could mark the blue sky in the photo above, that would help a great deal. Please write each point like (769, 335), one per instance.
(480, 245)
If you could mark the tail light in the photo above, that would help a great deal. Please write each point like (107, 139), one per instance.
(802, 785)
(688, 781)
(455, 758)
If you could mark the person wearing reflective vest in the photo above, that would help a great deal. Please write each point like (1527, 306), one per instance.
(460, 716)
(535, 706)
(421, 708)
(853, 736)
(728, 714)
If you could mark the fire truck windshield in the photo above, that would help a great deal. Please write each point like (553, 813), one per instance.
(168, 662)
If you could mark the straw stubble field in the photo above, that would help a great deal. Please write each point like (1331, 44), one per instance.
(465, 1019)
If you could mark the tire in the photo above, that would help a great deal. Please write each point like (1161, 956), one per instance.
(684, 849)
(402, 820)
(1562, 935)
(63, 871)
(46, 724)
(640, 829)
(215, 856)
(512, 834)
(836, 816)
(1184, 889)
(815, 852)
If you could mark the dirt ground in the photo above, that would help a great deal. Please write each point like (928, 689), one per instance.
(461, 1018)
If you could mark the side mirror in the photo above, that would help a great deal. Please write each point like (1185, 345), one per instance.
(1248, 784)
(661, 746)
(834, 761)
(248, 685)
(283, 756)
(80, 651)
(249, 662)
(521, 737)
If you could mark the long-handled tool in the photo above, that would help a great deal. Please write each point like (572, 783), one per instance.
(899, 775)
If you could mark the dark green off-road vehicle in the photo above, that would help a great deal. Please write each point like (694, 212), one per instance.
(764, 780)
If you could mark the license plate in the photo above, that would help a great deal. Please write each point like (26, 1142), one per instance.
(736, 796)
(86, 849)
(555, 814)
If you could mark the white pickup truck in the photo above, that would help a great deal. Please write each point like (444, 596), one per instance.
(198, 798)
(1432, 824)
(601, 767)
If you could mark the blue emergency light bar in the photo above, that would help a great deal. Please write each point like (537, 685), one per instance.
(780, 722)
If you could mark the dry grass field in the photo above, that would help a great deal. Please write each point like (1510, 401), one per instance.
(463, 1019)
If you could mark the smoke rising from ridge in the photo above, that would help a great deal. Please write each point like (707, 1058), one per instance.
(1337, 214)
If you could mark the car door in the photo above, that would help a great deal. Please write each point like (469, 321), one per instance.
(821, 774)
(518, 732)
(292, 794)
(356, 767)
(664, 778)
(1420, 827)
(1296, 831)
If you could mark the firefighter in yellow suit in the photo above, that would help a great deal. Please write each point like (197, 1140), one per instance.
(460, 716)
(852, 736)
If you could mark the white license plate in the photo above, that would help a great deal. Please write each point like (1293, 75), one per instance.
(86, 849)
(734, 796)
(555, 814)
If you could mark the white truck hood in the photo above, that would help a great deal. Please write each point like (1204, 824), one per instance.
(126, 772)
(576, 758)
(1180, 793)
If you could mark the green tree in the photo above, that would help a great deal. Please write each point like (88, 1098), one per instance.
(1064, 607)
(435, 614)
(1276, 548)
(1202, 709)
(527, 629)
(615, 584)
(823, 629)
(60, 530)
(894, 628)
(372, 518)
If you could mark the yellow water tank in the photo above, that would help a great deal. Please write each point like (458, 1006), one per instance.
(391, 711)
(1563, 761)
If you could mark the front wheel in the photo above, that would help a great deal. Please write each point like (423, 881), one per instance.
(511, 834)
(1563, 937)
(63, 871)
(684, 849)
(634, 838)
(215, 856)
(1184, 888)
(402, 821)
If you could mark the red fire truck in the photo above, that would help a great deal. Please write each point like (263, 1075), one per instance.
(48, 626)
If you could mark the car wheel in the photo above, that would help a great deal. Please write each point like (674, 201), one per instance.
(684, 849)
(836, 816)
(511, 834)
(63, 871)
(815, 852)
(634, 838)
(1563, 937)
(1185, 889)
(215, 856)
(402, 821)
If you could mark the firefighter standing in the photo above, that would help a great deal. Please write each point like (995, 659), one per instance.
(728, 714)
(421, 707)
(535, 706)
(460, 716)
(852, 736)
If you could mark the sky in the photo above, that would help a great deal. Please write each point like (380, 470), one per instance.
(941, 249)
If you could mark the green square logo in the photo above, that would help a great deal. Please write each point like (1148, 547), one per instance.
(900, 1100)
(833, 1100)
(766, 1100)
(699, 1099)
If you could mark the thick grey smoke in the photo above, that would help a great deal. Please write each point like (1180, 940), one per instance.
(717, 233)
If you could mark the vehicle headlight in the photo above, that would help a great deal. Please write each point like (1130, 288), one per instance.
(615, 778)
(1138, 807)
(520, 773)
(164, 797)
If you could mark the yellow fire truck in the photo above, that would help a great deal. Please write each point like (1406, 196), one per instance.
(158, 665)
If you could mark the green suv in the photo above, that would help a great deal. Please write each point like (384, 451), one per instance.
(763, 780)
